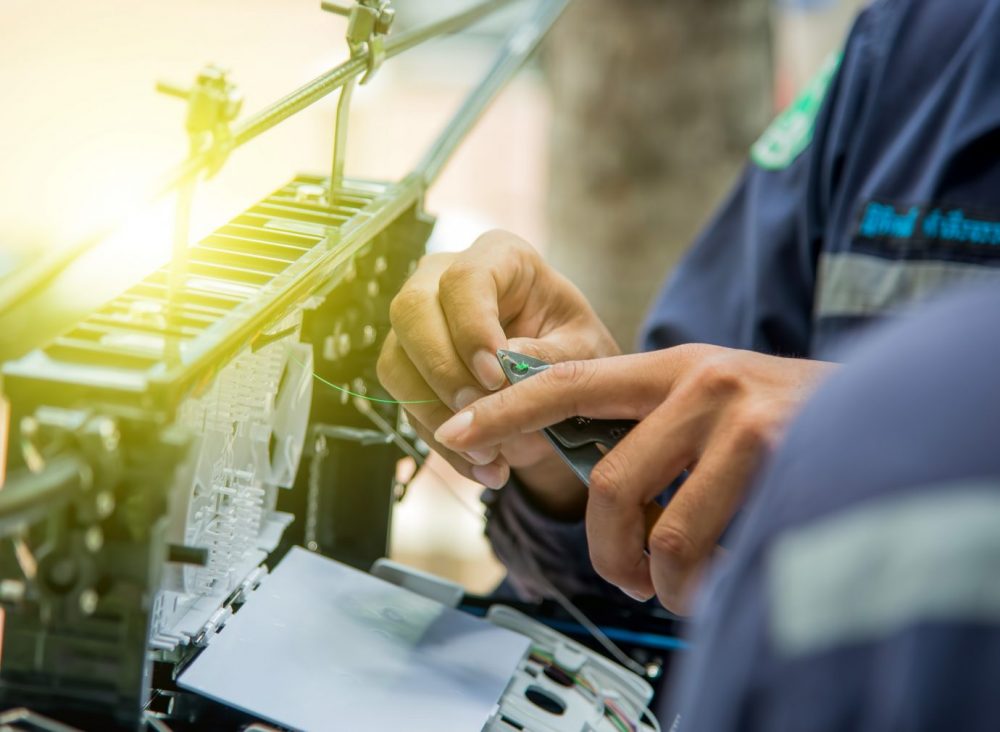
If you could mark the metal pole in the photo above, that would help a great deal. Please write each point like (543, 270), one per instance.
(340, 139)
(16, 293)
(335, 78)
(520, 44)
(405, 41)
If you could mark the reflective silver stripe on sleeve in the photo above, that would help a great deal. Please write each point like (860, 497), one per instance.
(865, 573)
(852, 284)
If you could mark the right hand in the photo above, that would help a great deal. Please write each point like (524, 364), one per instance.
(449, 320)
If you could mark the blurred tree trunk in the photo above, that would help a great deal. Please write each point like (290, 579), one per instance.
(655, 105)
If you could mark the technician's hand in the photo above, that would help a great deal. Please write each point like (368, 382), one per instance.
(714, 411)
(448, 321)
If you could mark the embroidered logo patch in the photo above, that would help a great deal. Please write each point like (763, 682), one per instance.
(792, 131)
(932, 225)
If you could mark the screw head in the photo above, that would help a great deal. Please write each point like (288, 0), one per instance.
(93, 539)
(384, 21)
(88, 601)
(310, 193)
(29, 426)
(108, 432)
(12, 591)
(104, 504)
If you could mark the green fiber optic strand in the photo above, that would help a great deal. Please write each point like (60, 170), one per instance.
(362, 396)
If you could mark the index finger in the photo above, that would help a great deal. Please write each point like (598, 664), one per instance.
(619, 387)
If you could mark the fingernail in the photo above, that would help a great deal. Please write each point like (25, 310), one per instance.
(454, 428)
(638, 597)
(494, 475)
(482, 457)
(487, 370)
(466, 396)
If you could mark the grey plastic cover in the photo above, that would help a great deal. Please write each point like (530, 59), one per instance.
(322, 646)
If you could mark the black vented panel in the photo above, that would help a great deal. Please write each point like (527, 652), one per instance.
(225, 270)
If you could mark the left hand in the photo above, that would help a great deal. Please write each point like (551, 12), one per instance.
(714, 411)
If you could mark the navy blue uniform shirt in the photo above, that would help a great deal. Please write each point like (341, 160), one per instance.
(862, 592)
(879, 188)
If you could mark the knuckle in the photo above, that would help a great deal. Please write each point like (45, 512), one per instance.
(405, 304)
(458, 275)
(607, 480)
(716, 376)
(674, 545)
(574, 374)
(439, 368)
(753, 428)
(510, 244)
(495, 238)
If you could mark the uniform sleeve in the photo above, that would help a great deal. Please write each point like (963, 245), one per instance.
(749, 279)
(540, 552)
(747, 283)
(861, 592)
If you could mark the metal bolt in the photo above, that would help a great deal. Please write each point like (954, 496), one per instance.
(12, 591)
(343, 344)
(330, 348)
(310, 193)
(63, 572)
(108, 431)
(104, 504)
(384, 22)
(147, 312)
(29, 426)
(93, 539)
(88, 602)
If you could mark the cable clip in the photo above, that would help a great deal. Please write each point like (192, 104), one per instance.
(213, 103)
(368, 22)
